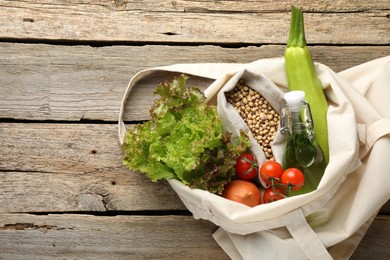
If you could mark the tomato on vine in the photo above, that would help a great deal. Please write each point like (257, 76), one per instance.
(273, 194)
(292, 179)
(271, 172)
(246, 166)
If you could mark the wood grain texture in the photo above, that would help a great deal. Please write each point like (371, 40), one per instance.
(24, 236)
(72, 167)
(71, 83)
(192, 21)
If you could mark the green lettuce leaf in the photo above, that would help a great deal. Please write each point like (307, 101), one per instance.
(184, 140)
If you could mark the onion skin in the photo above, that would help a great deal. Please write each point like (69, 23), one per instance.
(244, 192)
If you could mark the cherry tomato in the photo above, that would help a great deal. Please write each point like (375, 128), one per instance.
(273, 194)
(246, 166)
(270, 172)
(292, 179)
(242, 191)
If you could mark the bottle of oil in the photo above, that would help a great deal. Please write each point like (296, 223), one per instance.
(301, 150)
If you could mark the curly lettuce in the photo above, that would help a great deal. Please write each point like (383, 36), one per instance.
(183, 140)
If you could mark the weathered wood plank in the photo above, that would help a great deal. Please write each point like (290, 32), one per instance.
(118, 237)
(65, 192)
(248, 6)
(188, 21)
(24, 236)
(73, 167)
(253, 6)
(70, 167)
(53, 82)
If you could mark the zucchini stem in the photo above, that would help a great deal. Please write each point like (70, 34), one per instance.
(297, 29)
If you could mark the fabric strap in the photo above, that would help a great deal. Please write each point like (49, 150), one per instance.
(374, 132)
(304, 235)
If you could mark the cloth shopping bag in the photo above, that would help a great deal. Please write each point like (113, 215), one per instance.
(329, 222)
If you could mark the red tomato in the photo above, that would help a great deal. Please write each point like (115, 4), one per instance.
(273, 194)
(246, 166)
(293, 179)
(244, 192)
(270, 172)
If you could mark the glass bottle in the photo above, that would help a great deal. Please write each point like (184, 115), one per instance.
(301, 150)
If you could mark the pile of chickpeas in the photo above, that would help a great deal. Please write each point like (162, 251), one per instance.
(258, 114)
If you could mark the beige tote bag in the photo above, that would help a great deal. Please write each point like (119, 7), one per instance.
(330, 221)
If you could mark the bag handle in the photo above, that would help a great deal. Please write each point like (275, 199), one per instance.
(370, 134)
(205, 70)
(305, 236)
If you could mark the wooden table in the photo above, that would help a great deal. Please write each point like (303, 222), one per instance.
(64, 66)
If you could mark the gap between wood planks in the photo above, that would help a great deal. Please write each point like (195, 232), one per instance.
(116, 213)
(97, 44)
(52, 121)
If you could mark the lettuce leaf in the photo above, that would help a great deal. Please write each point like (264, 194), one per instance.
(184, 140)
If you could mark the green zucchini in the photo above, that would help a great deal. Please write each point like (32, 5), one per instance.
(302, 75)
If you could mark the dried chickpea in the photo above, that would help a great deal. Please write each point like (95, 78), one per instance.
(257, 113)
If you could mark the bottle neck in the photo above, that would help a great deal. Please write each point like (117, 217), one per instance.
(297, 121)
(297, 126)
